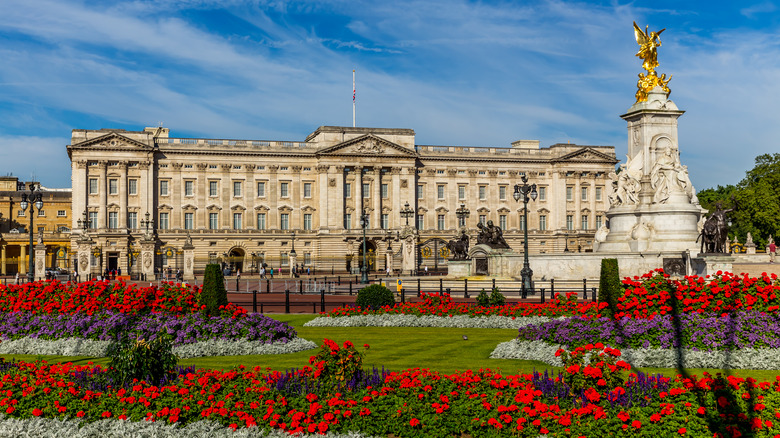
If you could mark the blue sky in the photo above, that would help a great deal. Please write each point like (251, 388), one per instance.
(457, 72)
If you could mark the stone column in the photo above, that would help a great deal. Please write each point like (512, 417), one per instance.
(296, 218)
(250, 197)
(80, 192)
(103, 195)
(3, 270)
(122, 195)
(202, 215)
(336, 220)
(227, 195)
(22, 265)
(147, 259)
(376, 220)
(40, 261)
(273, 196)
(397, 199)
(177, 187)
(324, 193)
(407, 251)
(147, 192)
(293, 259)
(358, 192)
(189, 259)
(83, 253)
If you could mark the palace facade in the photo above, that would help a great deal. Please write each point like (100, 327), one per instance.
(247, 202)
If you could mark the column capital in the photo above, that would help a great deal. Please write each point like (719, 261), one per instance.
(273, 168)
(177, 166)
(250, 167)
(144, 165)
(82, 164)
(202, 166)
(322, 168)
(340, 168)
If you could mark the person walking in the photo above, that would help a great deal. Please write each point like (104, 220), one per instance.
(262, 272)
(772, 251)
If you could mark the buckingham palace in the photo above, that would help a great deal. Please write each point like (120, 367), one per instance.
(252, 202)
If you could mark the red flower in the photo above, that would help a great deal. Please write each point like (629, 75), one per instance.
(701, 410)
(414, 422)
(37, 412)
(682, 431)
(637, 424)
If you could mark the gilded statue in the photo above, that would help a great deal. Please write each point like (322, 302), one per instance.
(648, 51)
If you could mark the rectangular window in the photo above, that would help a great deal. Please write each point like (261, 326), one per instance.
(440, 222)
(420, 189)
(284, 189)
(61, 213)
(420, 221)
(163, 188)
(569, 222)
(347, 221)
(542, 193)
(502, 221)
(163, 221)
(482, 219)
(213, 221)
(307, 190)
(542, 222)
(237, 221)
(113, 186)
(584, 193)
(383, 188)
(93, 187)
(502, 193)
(598, 222)
(461, 193)
(236, 188)
(385, 221)
(113, 220)
(132, 187)
(260, 221)
(188, 188)
(284, 221)
(522, 223)
(482, 193)
(569, 193)
(41, 213)
(366, 190)
(440, 191)
(22, 213)
(261, 189)
(93, 222)
(307, 258)
(347, 190)
(598, 193)
(284, 260)
(584, 222)
(307, 221)
(213, 188)
(132, 220)
(189, 218)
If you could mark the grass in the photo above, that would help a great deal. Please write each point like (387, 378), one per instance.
(398, 348)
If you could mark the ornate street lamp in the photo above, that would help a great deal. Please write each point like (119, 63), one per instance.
(85, 223)
(525, 191)
(364, 268)
(146, 223)
(406, 213)
(462, 213)
(34, 200)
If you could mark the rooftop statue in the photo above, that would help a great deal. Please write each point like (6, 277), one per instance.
(648, 51)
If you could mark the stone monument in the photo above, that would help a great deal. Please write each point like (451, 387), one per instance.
(408, 238)
(189, 259)
(653, 205)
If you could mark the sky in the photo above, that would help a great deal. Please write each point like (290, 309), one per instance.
(459, 73)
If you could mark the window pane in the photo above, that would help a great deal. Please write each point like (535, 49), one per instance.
(461, 192)
(132, 220)
(482, 193)
(542, 223)
(598, 193)
(420, 221)
(188, 219)
(93, 219)
(284, 222)
(502, 193)
(482, 219)
(284, 189)
(261, 189)
(542, 193)
(522, 223)
(237, 221)
(584, 191)
(213, 221)
(419, 191)
(502, 221)
(598, 222)
(569, 222)
(132, 187)
(307, 190)
(384, 190)
(366, 190)
(347, 190)
(385, 221)
(163, 221)
(212, 188)
(347, 221)
(440, 222)
(113, 186)
(163, 188)
(440, 191)
(113, 220)
(260, 221)
(93, 186)
(307, 221)
(584, 222)
(569, 193)
(236, 188)
(188, 188)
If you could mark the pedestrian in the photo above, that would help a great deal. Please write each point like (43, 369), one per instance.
(308, 271)
(17, 278)
(238, 274)
(272, 273)
(772, 251)
(262, 272)
(119, 272)
(426, 270)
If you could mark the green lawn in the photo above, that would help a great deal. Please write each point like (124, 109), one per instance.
(398, 348)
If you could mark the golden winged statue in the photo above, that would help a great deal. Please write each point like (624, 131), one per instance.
(648, 52)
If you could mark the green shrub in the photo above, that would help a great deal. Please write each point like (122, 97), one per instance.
(142, 360)
(610, 287)
(497, 298)
(336, 366)
(483, 299)
(213, 294)
(374, 297)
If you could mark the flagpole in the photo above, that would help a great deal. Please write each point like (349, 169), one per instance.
(353, 98)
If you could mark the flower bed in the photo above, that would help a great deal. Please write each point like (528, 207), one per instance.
(97, 296)
(591, 397)
(459, 321)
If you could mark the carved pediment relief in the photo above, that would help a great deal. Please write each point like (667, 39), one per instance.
(285, 208)
(112, 141)
(504, 210)
(164, 207)
(189, 207)
(441, 210)
(422, 210)
(367, 145)
(586, 154)
(262, 208)
(543, 211)
(308, 208)
(483, 210)
(237, 208)
(213, 207)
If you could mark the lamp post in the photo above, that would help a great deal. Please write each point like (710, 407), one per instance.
(566, 248)
(34, 200)
(364, 268)
(293, 255)
(462, 213)
(525, 191)
(146, 223)
(406, 213)
(85, 223)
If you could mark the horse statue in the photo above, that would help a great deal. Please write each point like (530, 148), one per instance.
(459, 247)
(710, 241)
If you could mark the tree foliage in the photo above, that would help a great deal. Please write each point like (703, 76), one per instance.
(756, 201)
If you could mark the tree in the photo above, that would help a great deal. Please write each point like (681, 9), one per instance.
(213, 293)
(756, 201)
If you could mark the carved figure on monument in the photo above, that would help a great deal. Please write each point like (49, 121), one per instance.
(601, 233)
(408, 248)
(491, 235)
(709, 237)
(148, 260)
(686, 184)
(625, 186)
(483, 238)
(83, 263)
(40, 236)
(648, 52)
(459, 247)
(749, 239)
(664, 177)
(716, 228)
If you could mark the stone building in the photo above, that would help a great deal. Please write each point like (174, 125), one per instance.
(247, 202)
(53, 221)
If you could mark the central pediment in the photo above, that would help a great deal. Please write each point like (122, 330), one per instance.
(586, 154)
(112, 141)
(368, 145)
